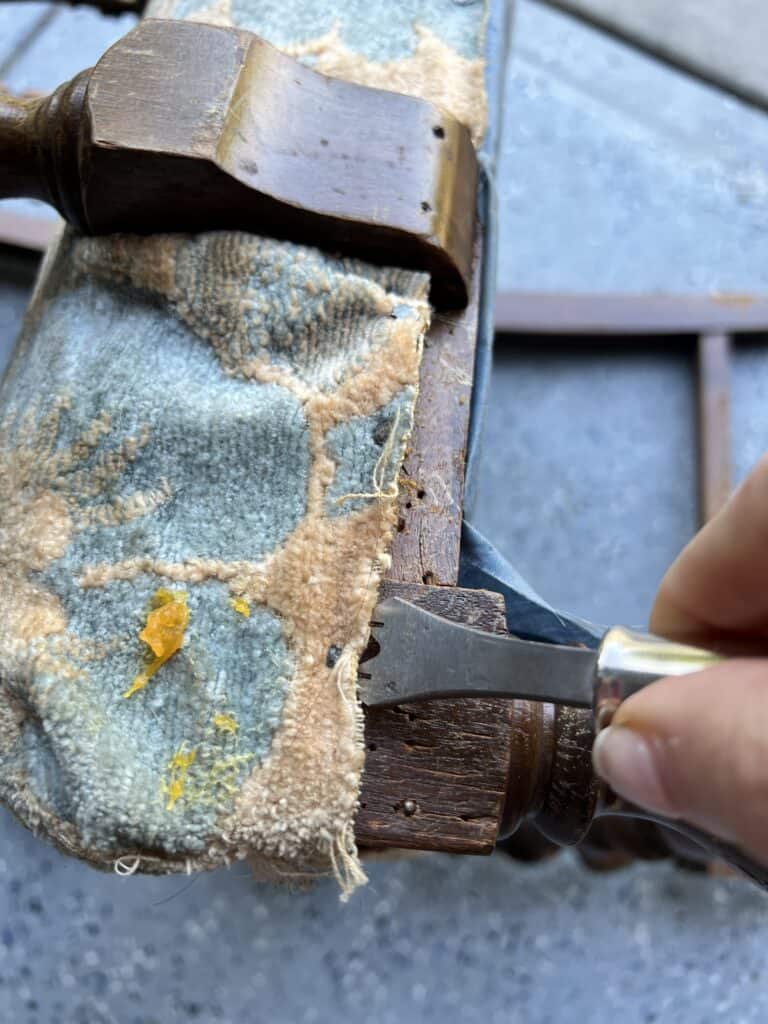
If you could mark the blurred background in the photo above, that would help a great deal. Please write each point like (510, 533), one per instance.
(621, 175)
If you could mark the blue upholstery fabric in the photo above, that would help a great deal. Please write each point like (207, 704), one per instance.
(200, 440)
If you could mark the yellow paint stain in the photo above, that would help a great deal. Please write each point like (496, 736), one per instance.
(220, 781)
(225, 723)
(241, 606)
(178, 768)
(163, 633)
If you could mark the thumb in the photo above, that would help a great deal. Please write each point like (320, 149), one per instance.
(696, 747)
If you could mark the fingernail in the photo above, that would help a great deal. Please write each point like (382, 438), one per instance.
(628, 762)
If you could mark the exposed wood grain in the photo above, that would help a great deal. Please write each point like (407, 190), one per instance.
(714, 394)
(426, 547)
(436, 772)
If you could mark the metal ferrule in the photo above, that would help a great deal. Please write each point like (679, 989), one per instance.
(628, 660)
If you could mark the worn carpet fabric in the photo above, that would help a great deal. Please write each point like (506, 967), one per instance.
(200, 439)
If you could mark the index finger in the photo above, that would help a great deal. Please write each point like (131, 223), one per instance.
(716, 592)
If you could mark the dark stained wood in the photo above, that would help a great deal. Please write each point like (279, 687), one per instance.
(40, 144)
(426, 547)
(436, 772)
(714, 393)
(571, 791)
(40, 46)
(108, 6)
(257, 141)
(613, 843)
(439, 774)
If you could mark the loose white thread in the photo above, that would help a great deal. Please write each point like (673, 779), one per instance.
(124, 869)
(379, 471)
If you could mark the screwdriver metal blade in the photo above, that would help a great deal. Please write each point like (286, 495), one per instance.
(422, 656)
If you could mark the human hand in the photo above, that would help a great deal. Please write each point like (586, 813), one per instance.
(696, 747)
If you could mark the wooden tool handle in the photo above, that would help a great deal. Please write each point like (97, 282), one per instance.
(41, 147)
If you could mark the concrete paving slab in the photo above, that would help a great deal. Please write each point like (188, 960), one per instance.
(618, 174)
(74, 40)
(723, 41)
(588, 477)
(18, 23)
